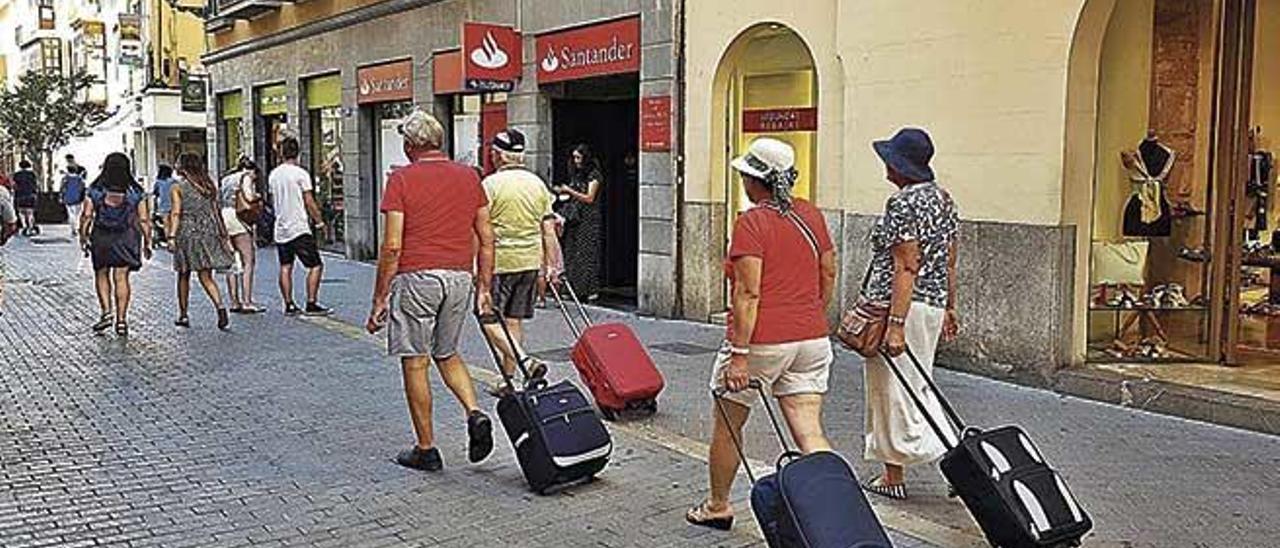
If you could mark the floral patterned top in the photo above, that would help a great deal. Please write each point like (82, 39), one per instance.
(923, 212)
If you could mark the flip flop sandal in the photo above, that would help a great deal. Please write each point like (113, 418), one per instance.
(104, 322)
(698, 516)
(876, 487)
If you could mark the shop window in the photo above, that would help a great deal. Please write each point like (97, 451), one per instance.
(1150, 259)
(323, 97)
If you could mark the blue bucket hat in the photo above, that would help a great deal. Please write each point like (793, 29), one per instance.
(908, 153)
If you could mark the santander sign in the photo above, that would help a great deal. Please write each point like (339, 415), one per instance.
(584, 52)
(492, 56)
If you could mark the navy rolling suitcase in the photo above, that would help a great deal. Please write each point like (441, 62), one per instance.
(812, 501)
(1017, 499)
(557, 437)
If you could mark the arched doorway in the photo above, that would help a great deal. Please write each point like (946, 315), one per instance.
(1157, 79)
(766, 85)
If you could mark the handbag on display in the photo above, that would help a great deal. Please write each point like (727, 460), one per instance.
(1119, 263)
(862, 325)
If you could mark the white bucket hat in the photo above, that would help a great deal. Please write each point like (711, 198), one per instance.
(765, 157)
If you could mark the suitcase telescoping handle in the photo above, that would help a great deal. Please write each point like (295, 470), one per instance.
(564, 309)
(787, 453)
(919, 403)
(497, 355)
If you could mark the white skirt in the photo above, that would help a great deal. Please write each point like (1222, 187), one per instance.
(897, 432)
(234, 226)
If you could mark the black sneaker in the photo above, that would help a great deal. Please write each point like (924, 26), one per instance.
(292, 310)
(479, 436)
(315, 309)
(427, 460)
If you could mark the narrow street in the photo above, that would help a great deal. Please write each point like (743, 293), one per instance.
(281, 432)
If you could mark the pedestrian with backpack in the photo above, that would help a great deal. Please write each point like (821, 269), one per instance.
(73, 192)
(117, 227)
(200, 242)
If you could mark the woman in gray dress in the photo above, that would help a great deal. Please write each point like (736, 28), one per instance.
(200, 241)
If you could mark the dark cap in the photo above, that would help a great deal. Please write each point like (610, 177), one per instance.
(509, 140)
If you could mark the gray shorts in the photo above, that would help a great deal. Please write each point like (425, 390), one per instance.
(427, 311)
(513, 295)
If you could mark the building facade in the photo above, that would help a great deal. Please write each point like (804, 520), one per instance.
(341, 73)
(1080, 246)
(1083, 243)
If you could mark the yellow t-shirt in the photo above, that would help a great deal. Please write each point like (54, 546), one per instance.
(518, 201)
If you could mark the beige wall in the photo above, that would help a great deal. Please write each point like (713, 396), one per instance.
(713, 26)
(988, 78)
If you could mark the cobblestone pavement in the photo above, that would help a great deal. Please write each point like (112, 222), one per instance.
(278, 433)
(1148, 480)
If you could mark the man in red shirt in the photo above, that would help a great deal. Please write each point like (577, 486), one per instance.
(435, 211)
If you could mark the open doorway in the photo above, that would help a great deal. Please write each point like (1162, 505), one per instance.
(603, 113)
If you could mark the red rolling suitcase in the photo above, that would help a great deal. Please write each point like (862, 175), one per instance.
(612, 362)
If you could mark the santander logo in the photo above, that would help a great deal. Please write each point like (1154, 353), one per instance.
(551, 62)
(489, 55)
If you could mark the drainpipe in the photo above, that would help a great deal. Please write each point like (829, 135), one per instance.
(679, 87)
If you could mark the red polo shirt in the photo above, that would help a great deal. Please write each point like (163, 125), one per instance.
(439, 199)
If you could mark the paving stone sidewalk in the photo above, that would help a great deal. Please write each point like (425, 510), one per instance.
(278, 433)
(1147, 479)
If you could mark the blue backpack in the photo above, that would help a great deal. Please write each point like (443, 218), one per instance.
(113, 211)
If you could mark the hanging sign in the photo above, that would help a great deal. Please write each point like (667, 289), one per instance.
(655, 124)
(779, 120)
(195, 92)
(385, 82)
(595, 50)
(130, 28)
(492, 57)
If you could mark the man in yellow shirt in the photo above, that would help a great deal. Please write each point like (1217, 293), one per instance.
(525, 244)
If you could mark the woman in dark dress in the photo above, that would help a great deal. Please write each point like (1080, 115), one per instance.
(577, 204)
(116, 224)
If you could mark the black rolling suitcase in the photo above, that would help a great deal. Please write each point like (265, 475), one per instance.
(1017, 499)
(812, 501)
(554, 430)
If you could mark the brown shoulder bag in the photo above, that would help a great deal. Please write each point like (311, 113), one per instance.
(862, 325)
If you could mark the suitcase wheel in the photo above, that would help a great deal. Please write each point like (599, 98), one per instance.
(609, 414)
(650, 407)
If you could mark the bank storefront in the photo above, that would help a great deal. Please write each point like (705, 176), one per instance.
(592, 71)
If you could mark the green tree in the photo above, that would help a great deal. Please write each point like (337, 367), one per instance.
(43, 112)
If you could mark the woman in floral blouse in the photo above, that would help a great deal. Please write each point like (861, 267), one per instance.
(913, 269)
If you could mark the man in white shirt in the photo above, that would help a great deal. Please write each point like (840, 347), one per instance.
(295, 204)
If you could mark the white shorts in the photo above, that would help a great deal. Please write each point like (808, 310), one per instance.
(786, 369)
(234, 226)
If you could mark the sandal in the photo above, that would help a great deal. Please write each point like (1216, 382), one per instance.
(122, 329)
(877, 487)
(182, 321)
(698, 516)
(104, 322)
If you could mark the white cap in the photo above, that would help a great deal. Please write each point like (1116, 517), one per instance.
(765, 156)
